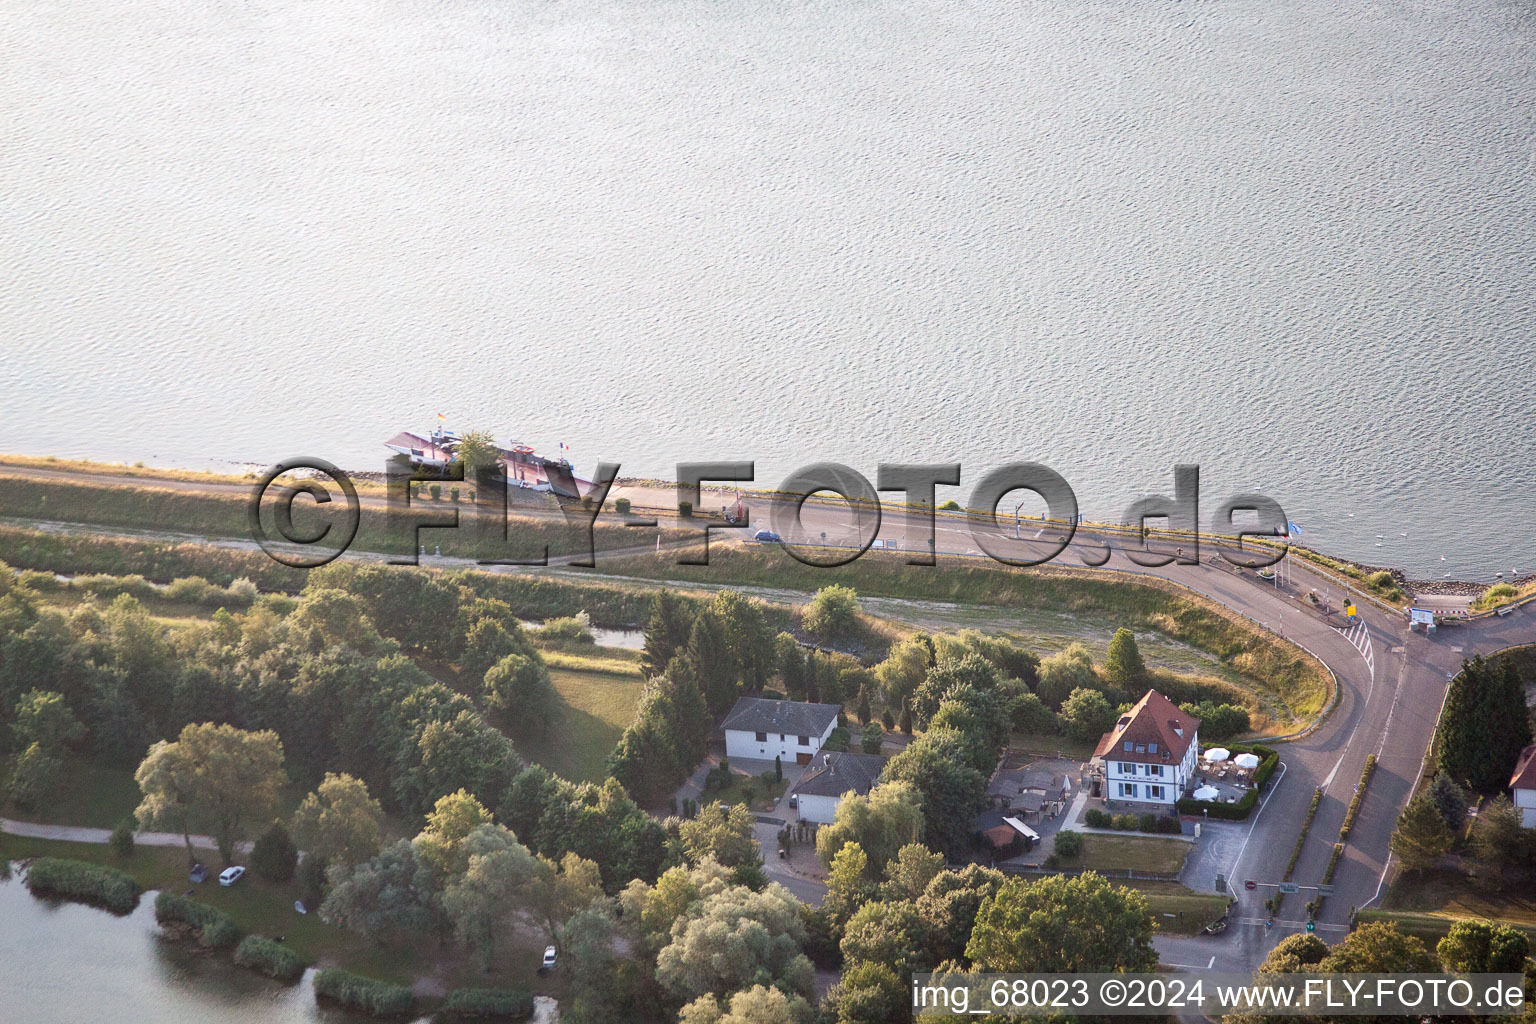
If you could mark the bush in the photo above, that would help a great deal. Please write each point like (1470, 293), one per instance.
(1148, 822)
(1221, 812)
(453, 494)
(188, 590)
(871, 738)
(833, 612)
(684, 509)
(888, 720)
(121, 840)
(312, 883)
(1126, 822)
(274, 856)
(950, 506)
(1069, 844)
(470, 1003)
(569, 629)
(83, 882)
(621, 505)
(365, 994)
(436, 490)
(1170, 825)
(1095, 818)
(39, 582)
(837, 740)
(215, 929)
(273, 959)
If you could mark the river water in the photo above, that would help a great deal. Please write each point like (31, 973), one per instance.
(1291, 243)
(70, 964)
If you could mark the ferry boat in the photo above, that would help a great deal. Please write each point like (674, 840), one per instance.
(524, 466)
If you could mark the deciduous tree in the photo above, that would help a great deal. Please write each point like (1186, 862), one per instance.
(884, 821)
(339, 821)
(1076, 924)
(218, 775)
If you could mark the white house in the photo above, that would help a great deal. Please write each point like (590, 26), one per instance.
(1149, 756)
(1522, 786)
(819, 791)
(790, 730)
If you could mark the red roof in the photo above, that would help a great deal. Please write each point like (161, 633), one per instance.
(1000, 836)
(1525, 770)
(1156, 731)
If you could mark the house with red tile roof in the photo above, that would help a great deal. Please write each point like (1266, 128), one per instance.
(1149, 757)
(1522, 786)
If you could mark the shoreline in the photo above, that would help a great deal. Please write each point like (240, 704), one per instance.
(140, 474)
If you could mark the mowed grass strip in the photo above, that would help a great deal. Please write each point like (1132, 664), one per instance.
(596, 708)
(1177, 909)
(1131, 853)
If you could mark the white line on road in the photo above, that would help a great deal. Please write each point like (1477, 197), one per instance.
(1238, 860)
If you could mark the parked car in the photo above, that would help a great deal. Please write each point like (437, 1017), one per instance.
(229, 876)
(198, 874)
(549, 957)
(766, 537)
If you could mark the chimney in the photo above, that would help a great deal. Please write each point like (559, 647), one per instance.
(826, 762)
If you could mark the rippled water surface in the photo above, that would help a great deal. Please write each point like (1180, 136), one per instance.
(1293, 243)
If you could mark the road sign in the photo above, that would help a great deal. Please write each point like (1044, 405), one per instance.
(1289, 887)
(1325, 890)
(1311, 926)
(1250, 885)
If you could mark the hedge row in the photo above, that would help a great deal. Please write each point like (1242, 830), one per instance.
(1333, 862)
(1354, 805)
(476, 1003)
(1301, 837)
(1145, 822)
(77, 553)
(377, 998)
(215, 929)
(78, 880)
(273, 959)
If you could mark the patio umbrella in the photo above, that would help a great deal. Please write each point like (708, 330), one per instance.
(1217, 754)
(1207, 793)
(1246, 760)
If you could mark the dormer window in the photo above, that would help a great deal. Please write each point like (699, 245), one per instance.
(1151, 748)
(1128, 745)
(1141, 748)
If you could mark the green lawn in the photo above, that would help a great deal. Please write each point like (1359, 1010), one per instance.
(596, 708)
(87, 794)
(1050, 745)
(737, 793)
(1132, 853)
(613, 660)
(266, 908)
(1428, 903)
(1190, 910)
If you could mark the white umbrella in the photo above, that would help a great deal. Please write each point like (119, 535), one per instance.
(1217, 754)
(1207, 793)
(1246, 760)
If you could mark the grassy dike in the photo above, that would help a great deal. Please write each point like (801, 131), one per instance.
(1280, 671)
(222, 514)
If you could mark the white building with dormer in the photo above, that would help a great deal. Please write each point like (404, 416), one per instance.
(1148, 758)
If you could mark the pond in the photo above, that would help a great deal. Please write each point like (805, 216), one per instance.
(71, 964)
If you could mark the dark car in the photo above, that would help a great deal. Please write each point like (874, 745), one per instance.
(766, 537)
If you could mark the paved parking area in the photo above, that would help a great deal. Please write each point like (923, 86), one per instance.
(1214, 853)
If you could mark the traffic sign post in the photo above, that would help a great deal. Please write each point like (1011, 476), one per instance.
(1289, 887)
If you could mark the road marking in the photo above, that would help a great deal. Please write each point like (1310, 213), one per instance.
(1238, 860)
